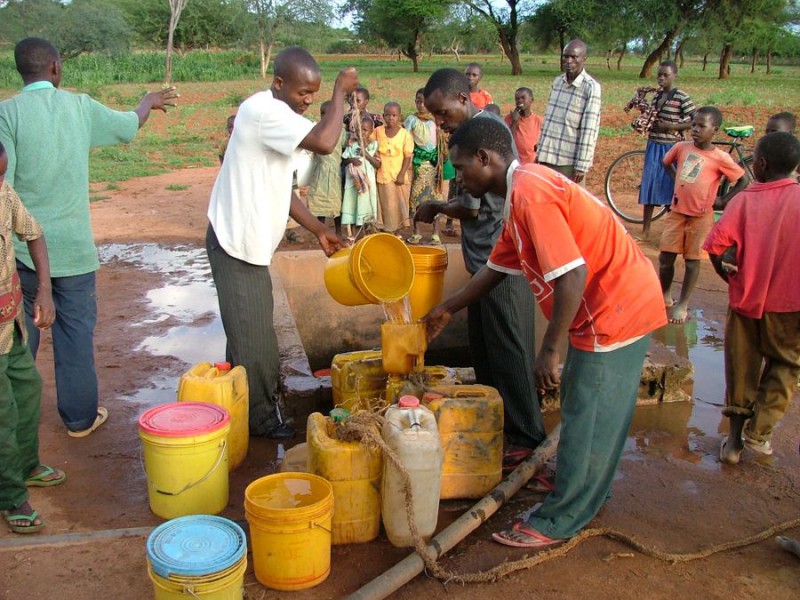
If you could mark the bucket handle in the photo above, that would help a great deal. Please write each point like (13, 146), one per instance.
(313, 524)
(188, 589)
(189, 486)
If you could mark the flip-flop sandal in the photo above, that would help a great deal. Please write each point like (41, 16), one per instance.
(513, 458)
(23, 528)
(102, 417)
(44, 478)
(729, 457)
(520, 536)
(541, 484)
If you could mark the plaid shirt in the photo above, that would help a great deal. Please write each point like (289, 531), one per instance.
(571, 123)
(13, 219)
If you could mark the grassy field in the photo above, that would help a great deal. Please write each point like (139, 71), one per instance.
(213, 84)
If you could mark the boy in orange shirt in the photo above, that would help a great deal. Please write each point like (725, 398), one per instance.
(479, 97)
(700, 169)
(604, 299)
(525, 125)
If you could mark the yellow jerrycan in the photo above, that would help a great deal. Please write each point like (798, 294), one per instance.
(227, 387)
(358, 381)
(470, 421)
(355, 474)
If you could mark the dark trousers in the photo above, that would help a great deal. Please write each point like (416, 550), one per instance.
(75, 299)
(244, 291)
(502, 344)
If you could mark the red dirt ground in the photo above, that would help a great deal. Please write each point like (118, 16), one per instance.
(670, 493)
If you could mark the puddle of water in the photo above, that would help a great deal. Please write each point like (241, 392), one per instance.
(187, 296)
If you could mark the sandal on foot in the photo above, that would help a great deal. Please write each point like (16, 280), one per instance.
(414, 239)
(30, 528)
(540, 484)
(729, 457)
(512, 458)
(764, 447)
(521, 536)
(436, 240)
(47, 477)
(102, 417)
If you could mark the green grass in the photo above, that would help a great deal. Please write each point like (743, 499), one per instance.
(213, 84)
(177, 187)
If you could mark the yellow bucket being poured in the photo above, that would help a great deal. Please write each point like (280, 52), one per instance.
(378, 269)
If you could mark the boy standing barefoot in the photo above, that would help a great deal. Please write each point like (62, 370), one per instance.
(762, 333)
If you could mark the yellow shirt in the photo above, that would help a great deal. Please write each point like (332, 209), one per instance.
(392, 151)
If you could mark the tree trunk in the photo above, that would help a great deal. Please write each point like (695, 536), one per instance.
(170, 40)
(509, 45)
(769, 61)
(655, 56)
(725, 61)
(753, 60)
(679, 52)
(622, 52)
(608, 59)
(262, 53)
(268, 57)
(705, 59)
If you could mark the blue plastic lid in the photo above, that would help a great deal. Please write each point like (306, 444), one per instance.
(195, 545)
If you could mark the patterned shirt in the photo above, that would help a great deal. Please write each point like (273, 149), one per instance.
(678, 108)
(571, 123)
(13, 219)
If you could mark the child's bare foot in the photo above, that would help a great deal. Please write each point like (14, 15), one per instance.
(678, 313)
(669, 301)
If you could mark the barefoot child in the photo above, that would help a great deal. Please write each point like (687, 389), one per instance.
(325, 184)
(479, 97)
(395, 149)
(360, 202)
(762, 345)
(700, 168)
(426, 184)
(524, 125)
(20, 383)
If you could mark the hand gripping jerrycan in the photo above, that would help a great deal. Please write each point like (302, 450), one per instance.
(470, 422)
(226, 387)
(354, 471)
(410, 431)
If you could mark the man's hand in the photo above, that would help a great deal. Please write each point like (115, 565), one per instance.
(330, 241)
(162, 99)
(347, 80)
(545, 370)
(427, 211)
(44, 311)
(435, 321)
(578, 176)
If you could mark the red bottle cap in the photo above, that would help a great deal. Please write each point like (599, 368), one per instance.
(408, 402)
(223, 366)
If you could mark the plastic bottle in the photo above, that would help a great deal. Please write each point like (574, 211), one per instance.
(410, 430)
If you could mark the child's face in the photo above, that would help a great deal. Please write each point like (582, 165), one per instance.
(366, 128)
(774, 125)
(473, 75)
(391, 115)
(419, 102)
(361, 101)
(703, 129)
(523, 100)
(665, 77)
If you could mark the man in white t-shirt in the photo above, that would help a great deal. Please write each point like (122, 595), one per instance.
(250, 204)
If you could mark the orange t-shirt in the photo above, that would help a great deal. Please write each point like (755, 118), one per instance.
(526, 136)
(481, 98)
(554, 226)
(699, 173)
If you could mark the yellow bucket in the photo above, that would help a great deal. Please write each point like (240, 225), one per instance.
(290, 518)
(378, 269)
(227, 387)
(429, 266)
(186, 458)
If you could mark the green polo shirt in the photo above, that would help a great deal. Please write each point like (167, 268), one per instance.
(47, 133)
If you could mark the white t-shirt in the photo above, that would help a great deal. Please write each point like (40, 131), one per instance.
(250, 201)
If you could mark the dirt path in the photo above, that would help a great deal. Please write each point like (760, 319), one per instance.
(670, 493)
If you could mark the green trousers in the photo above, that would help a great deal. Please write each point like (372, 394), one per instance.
(598, 396)
(20, 397)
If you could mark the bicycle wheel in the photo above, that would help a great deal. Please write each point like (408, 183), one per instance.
(623, 180)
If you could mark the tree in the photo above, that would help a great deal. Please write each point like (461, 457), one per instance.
(506, 21)
(28, 18)
(668, 19)
(736, 19)
(175, 9)
(557, 22)
(88, 26)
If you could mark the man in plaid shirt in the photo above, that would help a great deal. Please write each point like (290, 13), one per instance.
(572, 118)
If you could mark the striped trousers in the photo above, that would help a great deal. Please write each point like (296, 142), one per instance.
(244, 291)
(501, 344)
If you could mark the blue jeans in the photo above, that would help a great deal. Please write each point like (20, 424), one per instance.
(75, 299)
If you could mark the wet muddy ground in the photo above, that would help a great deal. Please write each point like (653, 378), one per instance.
(158, 316)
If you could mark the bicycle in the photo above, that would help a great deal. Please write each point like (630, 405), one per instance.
(624, 176)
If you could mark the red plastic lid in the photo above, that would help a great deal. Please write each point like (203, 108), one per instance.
(223, 366)
(408, 402)
(183, 419)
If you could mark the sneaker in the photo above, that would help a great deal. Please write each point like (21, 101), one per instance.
(764, 447)
(282, 431)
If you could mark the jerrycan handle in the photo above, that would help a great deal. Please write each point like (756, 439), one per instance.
(470, 393)
(411, 404)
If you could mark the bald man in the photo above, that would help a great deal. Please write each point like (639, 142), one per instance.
(572, 117)
(250, 204)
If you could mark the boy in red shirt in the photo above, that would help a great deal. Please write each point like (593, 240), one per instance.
(700, 169)
(597, 290)
(479, 97)
(524, 125)
(762, 345)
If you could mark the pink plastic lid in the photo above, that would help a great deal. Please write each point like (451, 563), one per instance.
(408, 402)
(183, 419)
(223, 366)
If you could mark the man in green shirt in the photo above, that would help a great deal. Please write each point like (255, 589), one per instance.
(47, 133)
